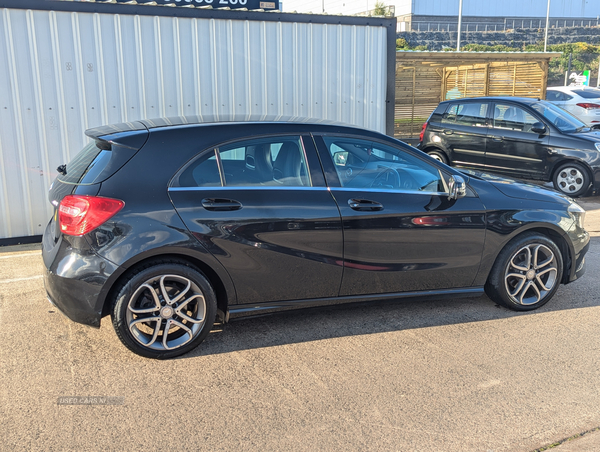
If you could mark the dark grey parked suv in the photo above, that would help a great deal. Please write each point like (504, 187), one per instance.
(518, 137)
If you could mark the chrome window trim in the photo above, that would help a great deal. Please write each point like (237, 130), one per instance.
(379, 190)
(283, 187)
(248, 187)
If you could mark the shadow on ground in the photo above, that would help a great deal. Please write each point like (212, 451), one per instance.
(317, 324)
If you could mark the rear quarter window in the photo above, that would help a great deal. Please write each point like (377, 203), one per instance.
(95, 163)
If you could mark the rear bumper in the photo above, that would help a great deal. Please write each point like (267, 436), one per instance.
(74, 278)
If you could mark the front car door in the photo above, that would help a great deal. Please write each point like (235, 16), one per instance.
(512, 147)
(401, 233)
(261, 207)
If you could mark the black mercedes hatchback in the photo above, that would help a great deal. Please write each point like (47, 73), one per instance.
(517, 137)
(169, 225)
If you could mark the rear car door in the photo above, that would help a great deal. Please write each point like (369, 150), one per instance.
(512, 147)
(463, 131)
(261, 207)
(401, 233)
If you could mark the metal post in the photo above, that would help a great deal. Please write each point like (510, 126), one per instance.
(547, 19)
(459, 24)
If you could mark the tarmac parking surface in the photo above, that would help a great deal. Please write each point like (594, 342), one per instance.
(452, 375)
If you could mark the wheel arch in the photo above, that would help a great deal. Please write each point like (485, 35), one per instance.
(431, 147)
(568, 160)
(556, 236)
(224, 290)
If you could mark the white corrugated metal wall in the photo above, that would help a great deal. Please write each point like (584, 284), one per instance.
(64, 72)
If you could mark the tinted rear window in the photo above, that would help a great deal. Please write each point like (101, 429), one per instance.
(90, 158)
(94, 165)
(588, 93)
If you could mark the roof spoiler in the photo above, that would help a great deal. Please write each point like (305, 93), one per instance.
(131, 135)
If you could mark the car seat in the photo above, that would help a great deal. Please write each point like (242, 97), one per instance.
(287, 168)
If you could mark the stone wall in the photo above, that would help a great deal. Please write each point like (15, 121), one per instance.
(438, 40)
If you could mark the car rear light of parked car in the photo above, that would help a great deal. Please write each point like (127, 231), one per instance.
(422, 131)
(588, 105)
(78, 215)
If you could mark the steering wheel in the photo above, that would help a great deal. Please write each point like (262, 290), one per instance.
(389, 178)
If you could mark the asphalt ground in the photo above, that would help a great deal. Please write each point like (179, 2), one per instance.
(453, 375)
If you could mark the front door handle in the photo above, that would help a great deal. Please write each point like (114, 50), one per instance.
(364, 205)
(220, 205)
(497, 138)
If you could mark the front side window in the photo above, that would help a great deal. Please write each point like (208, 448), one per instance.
(564, 121)
(466, 114)
(365, 164)
(273, 161)
(511, 117)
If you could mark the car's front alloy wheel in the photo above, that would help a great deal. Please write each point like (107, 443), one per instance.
(164, 310)
(526, 273)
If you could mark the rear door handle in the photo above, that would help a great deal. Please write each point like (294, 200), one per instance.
(448, 132)
(497, 138)
(364, 205)
(220, 205)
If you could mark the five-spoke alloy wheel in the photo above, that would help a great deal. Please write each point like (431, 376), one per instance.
(164, 310)
(526, 273)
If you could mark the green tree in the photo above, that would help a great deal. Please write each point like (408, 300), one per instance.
(381, 9)
(585, 56)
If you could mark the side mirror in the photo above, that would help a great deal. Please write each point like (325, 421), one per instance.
(457, 188)
(340, 158)
(538, 128)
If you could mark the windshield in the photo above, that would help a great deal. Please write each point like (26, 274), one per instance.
(564, 121)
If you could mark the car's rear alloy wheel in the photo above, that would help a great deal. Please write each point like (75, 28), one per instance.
(572, 179)
(526, 274)
(164, 310)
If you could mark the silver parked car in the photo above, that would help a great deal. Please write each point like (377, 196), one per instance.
(581, 102)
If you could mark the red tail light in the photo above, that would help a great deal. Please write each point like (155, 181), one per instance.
(588, 105)
(78, 215)
(422, 132)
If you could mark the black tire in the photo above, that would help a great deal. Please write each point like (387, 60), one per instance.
(438, 155)
(572, 179)
(172, 292)
(521, 283)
